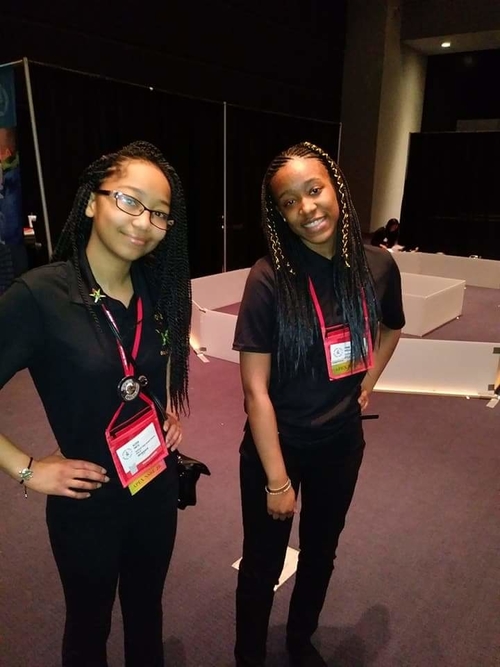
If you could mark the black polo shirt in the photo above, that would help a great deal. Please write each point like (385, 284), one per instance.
(46, 327)
(311, 407)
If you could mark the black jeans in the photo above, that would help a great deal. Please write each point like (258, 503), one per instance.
(326, 476)
(114, 540)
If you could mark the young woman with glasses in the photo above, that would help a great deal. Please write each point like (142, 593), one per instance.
(99, 328)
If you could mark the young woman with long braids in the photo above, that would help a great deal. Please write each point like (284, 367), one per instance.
(101, 329)
(319, 320)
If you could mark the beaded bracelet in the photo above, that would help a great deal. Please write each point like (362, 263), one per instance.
(283, 489)
(26, 474)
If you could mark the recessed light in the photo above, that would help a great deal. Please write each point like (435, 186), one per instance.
(446, 45)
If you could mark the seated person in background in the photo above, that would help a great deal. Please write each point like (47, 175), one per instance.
(387, 236)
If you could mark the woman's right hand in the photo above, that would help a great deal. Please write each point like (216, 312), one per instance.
(283, 505)
(59, 476)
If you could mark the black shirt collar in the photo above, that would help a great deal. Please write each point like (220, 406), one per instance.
(81, 294)
(313, 261)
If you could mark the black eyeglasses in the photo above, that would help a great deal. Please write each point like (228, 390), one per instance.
(133, 206)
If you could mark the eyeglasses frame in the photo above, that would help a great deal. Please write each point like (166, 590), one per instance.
(116, 193)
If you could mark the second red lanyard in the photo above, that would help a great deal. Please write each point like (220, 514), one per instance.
(128, 368)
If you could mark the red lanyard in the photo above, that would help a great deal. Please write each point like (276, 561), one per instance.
(337, 344)
(128, 367)
(319, 312)
(317, 307)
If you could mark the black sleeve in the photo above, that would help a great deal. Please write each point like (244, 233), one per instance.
(387, 280)
(21, 330)
(256, 318)
(391, 298)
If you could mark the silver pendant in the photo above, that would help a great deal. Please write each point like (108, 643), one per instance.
(128, 388)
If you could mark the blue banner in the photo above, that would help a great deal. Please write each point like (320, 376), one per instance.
(11, 209)
(7, 98)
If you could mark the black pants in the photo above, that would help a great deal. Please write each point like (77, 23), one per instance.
(326, 476)
(114, 540)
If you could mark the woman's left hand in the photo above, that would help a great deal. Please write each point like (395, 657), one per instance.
(173, 431)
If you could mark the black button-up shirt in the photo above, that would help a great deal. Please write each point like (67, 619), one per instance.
(46, 327)
(310, 407)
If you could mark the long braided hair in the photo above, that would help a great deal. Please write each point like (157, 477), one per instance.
(297, 327)
(166, 268)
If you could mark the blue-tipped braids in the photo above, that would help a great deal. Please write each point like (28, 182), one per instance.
(166, 268)
(297, 326)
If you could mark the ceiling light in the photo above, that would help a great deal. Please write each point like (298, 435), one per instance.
(446, 45)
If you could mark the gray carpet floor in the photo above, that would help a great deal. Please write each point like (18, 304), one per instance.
(417, 578)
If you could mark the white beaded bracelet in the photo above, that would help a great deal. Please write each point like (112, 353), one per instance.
(282, 489)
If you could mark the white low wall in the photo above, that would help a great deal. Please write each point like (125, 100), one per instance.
(476, 272)
(429, 302)
(220, 289)
(212, 332)
(444, 367)
(455, 368)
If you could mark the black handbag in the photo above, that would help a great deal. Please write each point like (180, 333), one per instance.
(189, 471)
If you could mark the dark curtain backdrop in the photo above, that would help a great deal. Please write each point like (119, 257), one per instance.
(461, 86)
(79, 117)
(451, 200)
(254, 138)
(284, 55)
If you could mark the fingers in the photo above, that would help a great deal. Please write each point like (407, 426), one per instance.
(174, 446)
(77, 496)
(282, 517)
(79, 489)
(95, 475)
(173, 432)
(283, 506)
(363, 400)
(88, 470)
(56, 475)
(84, 477)
(84, 484)
(74, 468)
(80, 492)
(173, 439)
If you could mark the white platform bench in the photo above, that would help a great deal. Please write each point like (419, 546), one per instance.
(429, 302)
